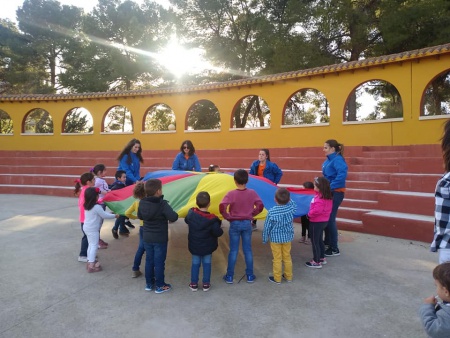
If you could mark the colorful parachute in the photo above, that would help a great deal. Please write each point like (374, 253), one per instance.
(181, 187)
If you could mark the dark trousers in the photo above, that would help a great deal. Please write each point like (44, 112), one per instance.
(84, 243)
(318, 248)
(120, 224)
(305, 226)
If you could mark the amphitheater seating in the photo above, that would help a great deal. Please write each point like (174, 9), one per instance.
(390, 190)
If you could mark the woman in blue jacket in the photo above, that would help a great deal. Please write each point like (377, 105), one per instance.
(335, 170)
(130, 160)
(186, 158)
(264, 167)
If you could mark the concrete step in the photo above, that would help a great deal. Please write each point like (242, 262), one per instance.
(349, 224)
(352, 213)
(367, 185)
(407, 202)
(363, 204)
(37, 190)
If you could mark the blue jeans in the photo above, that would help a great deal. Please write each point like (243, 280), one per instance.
(195, 268)
(155, 262)
(140, 250)
(331, 232)
(120, 224)
(84, 243)
(237, 230)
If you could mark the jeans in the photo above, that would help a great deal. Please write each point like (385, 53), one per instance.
(237, 230)
(120, 224)
(155, 262)
(331, 232)
(140, 250)
(281, 254)
(84, 244)
(195, 268)
(318, 248)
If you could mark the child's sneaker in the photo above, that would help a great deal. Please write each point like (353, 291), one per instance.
(251, 278)
(102, 242)
(193, 286)
(228, 279)
(313, 264)
(136, 274)
(129, 224)
(149, 287)
(332, 252)
(115, 234)
(302, 239)
(206, 287)
(164, 288)
(284, 278)
(102, 246)
(82, 259)
(323, 261)
(272, 279)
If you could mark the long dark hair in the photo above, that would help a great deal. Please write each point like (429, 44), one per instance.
(82, 181)
(267, 153)
(338, 147)
(445, 145)
(190, 146)
(90, 197)
(127, 151)
(324, 187)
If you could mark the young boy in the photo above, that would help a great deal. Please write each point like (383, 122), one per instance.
(279, 229)
(435, 314)
(119, 183)
(204, 229)
(239, 207)
(156, 213)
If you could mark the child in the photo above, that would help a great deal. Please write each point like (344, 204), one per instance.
(435, 313)
(100, 172)
(156, 214)
(239, 207)
(214, 168)
(138, 193)
(305, 220)
(204, 229)
(278, 226)
(121, 178)
(318, 215)
(94, 215)
(85, 181)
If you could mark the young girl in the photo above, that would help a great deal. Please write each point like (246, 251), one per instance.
(138, 193)
(94, 215)
(319, 214)
(100, 172)
(85, 181)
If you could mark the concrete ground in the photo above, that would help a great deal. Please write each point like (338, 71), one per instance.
(372, 290)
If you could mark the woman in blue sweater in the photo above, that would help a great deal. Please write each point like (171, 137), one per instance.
(186, 158)
(335, 170)
(130, 160)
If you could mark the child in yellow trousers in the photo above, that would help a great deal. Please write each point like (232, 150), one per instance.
(278, 227)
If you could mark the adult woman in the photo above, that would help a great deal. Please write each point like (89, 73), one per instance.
(335, 170)
(441, 239)
(264, 167)
(130, 160)
(186, 158)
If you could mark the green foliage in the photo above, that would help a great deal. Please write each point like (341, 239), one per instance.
(118, 119)
(203, 115)
(159, 117)
(251, 111)
(78, 121)
(39, 121)
(307, 106)
(437, 96)
(6, 124)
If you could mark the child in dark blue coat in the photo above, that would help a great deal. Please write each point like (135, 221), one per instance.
(204, 229)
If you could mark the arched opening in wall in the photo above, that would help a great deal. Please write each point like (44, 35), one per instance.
(436, 97)
(203, 115)
(38, 121)
(78, 121)
(307, 106)
(251, 112)
(159, 117)
(117, 120)
(374, 100)
(6, 124)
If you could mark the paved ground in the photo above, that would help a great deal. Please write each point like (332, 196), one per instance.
(372, 290)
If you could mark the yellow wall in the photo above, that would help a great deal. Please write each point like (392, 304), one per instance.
(410, 77)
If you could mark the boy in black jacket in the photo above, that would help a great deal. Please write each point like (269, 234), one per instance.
(156, 214)
(204, 229)
(119, 183)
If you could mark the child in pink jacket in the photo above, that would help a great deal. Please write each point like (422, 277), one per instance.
(319, 213)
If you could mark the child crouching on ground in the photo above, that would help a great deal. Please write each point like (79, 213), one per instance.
(435, 313)
(156, 214)
(93, 219)
(204, 229)
(278, 227)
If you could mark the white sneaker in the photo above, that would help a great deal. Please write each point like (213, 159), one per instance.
(82, 259)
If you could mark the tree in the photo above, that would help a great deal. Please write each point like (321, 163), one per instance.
(203, 115)
(78, 121)
(251, 111)
(159, 117)
(6, 124)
